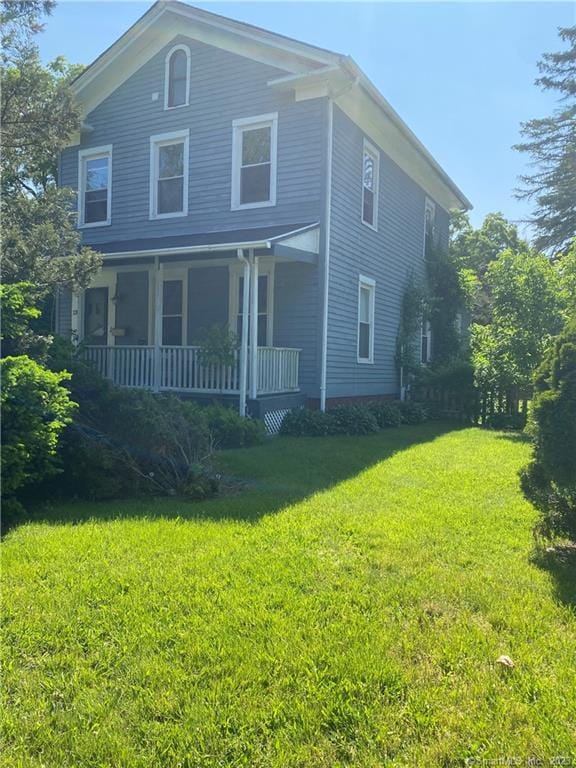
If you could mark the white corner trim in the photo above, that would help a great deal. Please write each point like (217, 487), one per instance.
(186, 49)
(164, 139)
(238, 127)
(374, 152)
(370, 283)
(91, 154)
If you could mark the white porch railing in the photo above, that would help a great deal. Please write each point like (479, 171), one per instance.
(180, 369)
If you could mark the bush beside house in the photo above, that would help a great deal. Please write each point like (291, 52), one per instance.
(549, 481)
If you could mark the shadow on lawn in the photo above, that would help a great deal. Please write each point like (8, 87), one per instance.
(258, 481)
(560, 562)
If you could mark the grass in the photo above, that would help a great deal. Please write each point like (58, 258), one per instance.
(346, 609)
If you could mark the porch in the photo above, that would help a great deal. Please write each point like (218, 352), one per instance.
(180, 369)
(143, 321)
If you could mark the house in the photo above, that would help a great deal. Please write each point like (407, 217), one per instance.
(229, 173)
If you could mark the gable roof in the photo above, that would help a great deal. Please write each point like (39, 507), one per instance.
(306, 67)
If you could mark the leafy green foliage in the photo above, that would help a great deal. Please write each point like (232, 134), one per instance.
(412, 413)
(230, 430)
(386, 414)
(448, 391)
(304, 422)
(549, 481)
(35, 410)
(19, 311)
(527, 310)
(551, 143)
(445, 300)
(407, 341)
(473, 250)
(352, 420)
(218, 346)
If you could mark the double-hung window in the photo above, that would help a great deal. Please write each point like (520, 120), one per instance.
(370, 181)
(169, 175)
(177, 77)
(366, 295)
(254, 142)
(95, 186)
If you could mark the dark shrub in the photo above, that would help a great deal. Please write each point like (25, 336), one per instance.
(35, 410)
(230, 430)
(512, 421)
(412, 413)
(448, 391)
(386, 414)
(353, 420)
(302, 422)
(549, 481)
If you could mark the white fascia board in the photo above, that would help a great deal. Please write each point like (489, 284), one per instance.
(184, 249)
(459, 199)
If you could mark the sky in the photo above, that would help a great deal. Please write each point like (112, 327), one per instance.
(460, 74)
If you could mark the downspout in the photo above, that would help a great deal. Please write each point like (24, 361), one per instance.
(244, 340)
(327, 224)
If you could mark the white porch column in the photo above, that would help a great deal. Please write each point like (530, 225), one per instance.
(244, 340)
(157, 272)
(253, 326)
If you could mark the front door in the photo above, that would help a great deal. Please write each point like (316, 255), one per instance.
(96, 316)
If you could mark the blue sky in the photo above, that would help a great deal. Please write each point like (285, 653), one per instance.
(460, 74)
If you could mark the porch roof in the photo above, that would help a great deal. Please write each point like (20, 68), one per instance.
(293, 242)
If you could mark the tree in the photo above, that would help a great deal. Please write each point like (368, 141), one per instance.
(40, 243)
(549, 481)
(551, 142)
(473, 250)
(528, 302)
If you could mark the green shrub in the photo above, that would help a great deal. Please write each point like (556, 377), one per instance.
(412, 413)
(303, 422)
(353, 420)
(386, 414)
(549, 481)
(512, 421)
(230, 430)
(35, 410)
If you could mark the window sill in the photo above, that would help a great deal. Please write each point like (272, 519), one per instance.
(248, 206)
(364, 361)
(373, 227)
(177, 106)
(94, 224)
(179, 214)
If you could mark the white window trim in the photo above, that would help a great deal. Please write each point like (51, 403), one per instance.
(176, 273)
(238, 127)
(92, 154)
(236, 272)
(429, 206)
(425, 325)
(186, 50)
(103, 279)
(366, 282)
(164, 139)
(370, 149)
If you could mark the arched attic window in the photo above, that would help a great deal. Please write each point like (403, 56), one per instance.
(177, 78)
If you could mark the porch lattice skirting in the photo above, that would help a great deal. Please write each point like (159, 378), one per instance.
(180, 369)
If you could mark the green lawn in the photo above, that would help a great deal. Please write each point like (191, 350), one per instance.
(345, 608)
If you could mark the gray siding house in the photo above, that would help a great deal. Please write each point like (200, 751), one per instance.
(237, 178)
